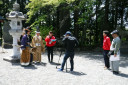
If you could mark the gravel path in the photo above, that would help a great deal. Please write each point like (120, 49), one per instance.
(89, 70)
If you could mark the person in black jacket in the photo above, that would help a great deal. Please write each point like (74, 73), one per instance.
(70, 43)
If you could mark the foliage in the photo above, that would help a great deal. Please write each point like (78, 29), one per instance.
(86, 19)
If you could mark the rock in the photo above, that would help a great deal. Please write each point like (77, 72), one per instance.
(6, 36)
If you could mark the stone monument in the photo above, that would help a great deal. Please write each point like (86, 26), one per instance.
(7, 38)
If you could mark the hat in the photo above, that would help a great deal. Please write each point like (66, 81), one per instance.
(27, 30)
(37, 32)
(37, 29)
(68, 33)
(114, 32)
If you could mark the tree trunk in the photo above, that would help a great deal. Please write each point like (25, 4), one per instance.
(106, 21)
(64, 19)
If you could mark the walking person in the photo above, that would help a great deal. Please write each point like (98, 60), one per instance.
(38, 45)
(106, 49)
(115, 52)
(50, 43)
(70, 43)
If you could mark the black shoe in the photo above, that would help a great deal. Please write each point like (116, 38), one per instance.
(115, 72)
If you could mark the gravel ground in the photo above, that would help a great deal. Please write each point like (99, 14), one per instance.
(89, 70)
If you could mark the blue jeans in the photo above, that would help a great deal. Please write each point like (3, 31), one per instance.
(71, 56)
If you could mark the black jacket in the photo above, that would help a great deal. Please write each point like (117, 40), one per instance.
(70, 43)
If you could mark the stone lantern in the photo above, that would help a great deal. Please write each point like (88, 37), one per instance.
(15, 17)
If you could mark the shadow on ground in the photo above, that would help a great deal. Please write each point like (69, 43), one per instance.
(99, 57)
(30, 67)
(54, 63)
(123, 75)
(42, 64)
(76, 73)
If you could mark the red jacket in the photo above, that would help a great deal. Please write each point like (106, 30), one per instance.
(49, 41)
(106, 43)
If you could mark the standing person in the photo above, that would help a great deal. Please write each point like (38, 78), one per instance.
(115, 52)
(70, 43)
(106, 48)
(37, 43)
(25, 47)
(50, 43)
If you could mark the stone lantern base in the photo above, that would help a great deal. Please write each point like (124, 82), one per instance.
(10, 59)
(15, 56)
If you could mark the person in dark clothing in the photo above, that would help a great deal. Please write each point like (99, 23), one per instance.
(29, 37)
(70, 43)
(25, 47)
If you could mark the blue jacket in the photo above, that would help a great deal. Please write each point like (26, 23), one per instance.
(24, 42)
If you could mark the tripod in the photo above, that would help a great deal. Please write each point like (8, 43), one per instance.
(59, 59)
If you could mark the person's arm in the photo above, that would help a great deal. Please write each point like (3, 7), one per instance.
(33, 42)
(23, 42)
(117, 47)
(108, 42)
(47, 39)
(64, 41)
(54, 42)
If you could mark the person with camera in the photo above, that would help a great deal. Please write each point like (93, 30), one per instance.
(70, 43)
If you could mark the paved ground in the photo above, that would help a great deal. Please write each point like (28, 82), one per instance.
(88, 71)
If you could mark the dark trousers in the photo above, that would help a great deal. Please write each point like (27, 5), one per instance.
(50, 53)
(71, 56)
(106, 58)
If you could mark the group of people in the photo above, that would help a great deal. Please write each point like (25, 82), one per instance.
(111, 51)
(33, 47)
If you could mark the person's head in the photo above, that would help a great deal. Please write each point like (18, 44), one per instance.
(27, 31)
(105, 33)
(115, 33)
(38, 33)
(50, 33)
(68, 33)
(29, 28)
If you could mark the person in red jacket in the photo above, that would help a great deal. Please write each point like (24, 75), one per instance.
(106, 48)
(50, 42)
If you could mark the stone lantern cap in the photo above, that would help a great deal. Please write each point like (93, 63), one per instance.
(15, 13)
(16, 7)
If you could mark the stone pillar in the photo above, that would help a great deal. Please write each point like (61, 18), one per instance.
(16, 36)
